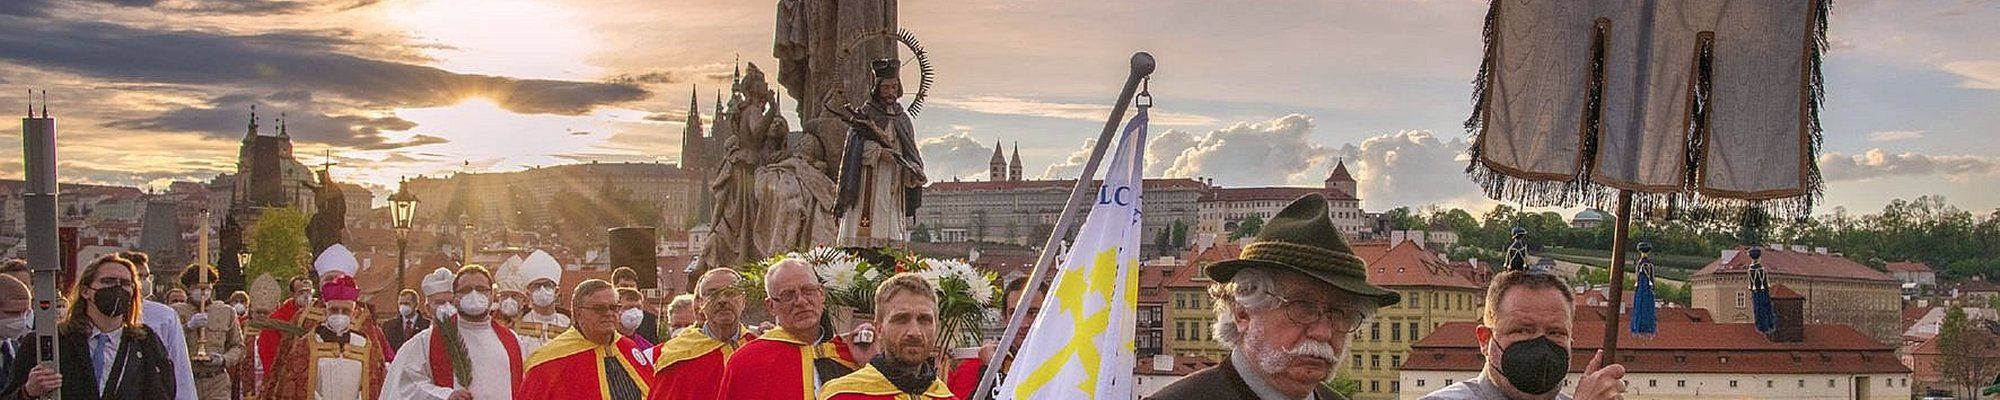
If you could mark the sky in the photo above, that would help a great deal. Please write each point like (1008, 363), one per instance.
(147, 92)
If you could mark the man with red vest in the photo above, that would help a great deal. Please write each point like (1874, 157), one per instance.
(590, 360)
(794, 360)
(690, 364)
(469, 356)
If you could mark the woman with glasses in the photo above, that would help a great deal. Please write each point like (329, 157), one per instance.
(106, 353)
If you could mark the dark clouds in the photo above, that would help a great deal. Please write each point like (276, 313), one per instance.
(281, 61)
(304, 119)
(36, 8)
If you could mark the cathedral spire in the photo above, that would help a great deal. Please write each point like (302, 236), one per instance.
(1014, 167)
(281, 126)
(996, 170)
(691, 135)
(253, 124)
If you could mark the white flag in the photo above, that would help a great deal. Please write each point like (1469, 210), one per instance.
(1081, 344)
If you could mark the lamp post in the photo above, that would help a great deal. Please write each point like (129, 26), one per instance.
(402, 208)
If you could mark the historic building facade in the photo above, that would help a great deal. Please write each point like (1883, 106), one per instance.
(1224, 208)
(1839, 290)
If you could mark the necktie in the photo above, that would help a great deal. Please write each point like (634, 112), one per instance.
(100, 357)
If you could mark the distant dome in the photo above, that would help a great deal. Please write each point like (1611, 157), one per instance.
(1591, 214)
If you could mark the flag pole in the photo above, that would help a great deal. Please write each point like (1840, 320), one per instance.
(1616, 290)
(1142, 66)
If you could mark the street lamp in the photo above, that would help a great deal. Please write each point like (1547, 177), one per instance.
(402, 209)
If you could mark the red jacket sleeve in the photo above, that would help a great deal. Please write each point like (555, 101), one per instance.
(964, 379)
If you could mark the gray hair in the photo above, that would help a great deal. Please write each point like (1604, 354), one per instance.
(772, 272)
(681, 302)
(1250, 291)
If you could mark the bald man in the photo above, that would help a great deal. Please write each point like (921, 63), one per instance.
(14, 322)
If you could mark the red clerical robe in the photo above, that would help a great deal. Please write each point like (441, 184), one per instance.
(269, 340)
(690, 365)
(869, 384)
(779, 366)
(572, 367)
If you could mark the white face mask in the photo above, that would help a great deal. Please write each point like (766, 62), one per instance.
(511, 307)
(238, 307)
(198, 296)
(446, 311)
(405, 310)
(303, 298)
(14, 327)
(631, 318)
(337, 323)
(544, 297)
(474, 304)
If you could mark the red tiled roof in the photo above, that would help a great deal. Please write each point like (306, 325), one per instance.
(1684, 348)
(1340, 173)
(1284, 193)
(1665, 315)
(1908, 266)
(1065, 184)
(1978, 285)
(1194, 276)
(1787, 262)
(1408, 264)
(1912, 314)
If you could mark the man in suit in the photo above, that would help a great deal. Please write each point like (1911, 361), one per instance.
(649, 322)
(409, 319)
(1289, 305)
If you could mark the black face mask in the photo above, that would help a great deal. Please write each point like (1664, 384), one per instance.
(112, 301)
(1535, 366)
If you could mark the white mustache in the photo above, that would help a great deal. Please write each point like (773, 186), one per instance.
(1312, 348)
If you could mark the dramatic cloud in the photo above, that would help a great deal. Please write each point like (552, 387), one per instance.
(1275, 152)
(1879, 164)
(1980, 74)
(1165, 148)
(305, 120)
(280, 61)
(956, 155)
(1412, 168)
(34, 8)
(1089, 112)
(1072, 165)
(1891, 136)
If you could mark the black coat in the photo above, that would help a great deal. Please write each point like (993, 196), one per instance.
(649, 328)
(392, 330)
(148, 373)
(1221, 382)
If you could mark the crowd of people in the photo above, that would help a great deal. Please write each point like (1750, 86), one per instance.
(1286, 308)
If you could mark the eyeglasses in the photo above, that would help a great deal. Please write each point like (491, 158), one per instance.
(468, 290)
(600, 309)
(792, 295)
(1307, 313)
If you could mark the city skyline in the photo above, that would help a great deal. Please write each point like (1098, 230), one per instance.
(1247, 96)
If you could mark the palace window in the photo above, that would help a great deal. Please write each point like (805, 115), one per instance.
(1395, 331)
(1374, 361)
(1420, 383)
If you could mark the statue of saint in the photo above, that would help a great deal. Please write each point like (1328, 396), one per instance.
(881, 174)
(759, 131)
(811, 36)
(796, 199)
(325, 227)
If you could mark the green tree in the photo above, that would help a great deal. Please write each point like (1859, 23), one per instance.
(1344, 384)
(278, 245)
(1402, 218)
(1964, 352)
(1180, 236)
(922, 234)
(1247, 228)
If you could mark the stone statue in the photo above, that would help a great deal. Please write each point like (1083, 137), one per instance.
(324, 230)
(795, 199)
(812, 34)
(881, 173)
(758, 130)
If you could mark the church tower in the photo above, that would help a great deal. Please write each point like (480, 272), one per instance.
(691, 139)
(1341, 180)
(1014, 167)
(996, 170)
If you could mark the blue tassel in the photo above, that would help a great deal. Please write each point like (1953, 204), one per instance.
(1760, 295)
(1645, 315)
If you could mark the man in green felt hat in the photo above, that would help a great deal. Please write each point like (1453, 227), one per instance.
(1286, 308)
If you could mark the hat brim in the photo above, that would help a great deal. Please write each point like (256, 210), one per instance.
(1223, 271)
